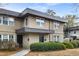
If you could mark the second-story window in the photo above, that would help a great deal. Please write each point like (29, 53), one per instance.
(56, 25)
(5, 20)
(40, 22)
(11, 21)
(0, 19)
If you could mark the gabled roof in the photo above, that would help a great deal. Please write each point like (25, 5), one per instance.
(73, 28)
(31, 11)
(45, 15)
(8, 12)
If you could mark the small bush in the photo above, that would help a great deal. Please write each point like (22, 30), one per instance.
(75, 44)
(7, 45)
(68, 45)
(48, 46)
(77, 41)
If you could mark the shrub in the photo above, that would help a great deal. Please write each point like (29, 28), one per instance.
(75, 44)
(48, 46)
(77, 41)
(7, 45)
(68, 45)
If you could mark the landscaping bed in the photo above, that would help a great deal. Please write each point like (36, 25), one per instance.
(8, 52)
(67, 52)
(54, 48)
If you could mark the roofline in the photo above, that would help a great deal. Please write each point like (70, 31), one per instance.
(42, 14)
(31, 11)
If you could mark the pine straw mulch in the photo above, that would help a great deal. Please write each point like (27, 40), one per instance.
(67, 52)
(7, 53)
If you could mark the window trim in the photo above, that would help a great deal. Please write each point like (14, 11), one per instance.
(40, 21)
(56, 25)
(8, 21)
(2, 37)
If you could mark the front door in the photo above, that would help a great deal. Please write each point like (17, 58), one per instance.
(20, 40)
(41, 38)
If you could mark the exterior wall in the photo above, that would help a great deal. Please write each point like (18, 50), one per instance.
(74, 34)
(60, 37)
(25, 41)
(33, 37)
(31, 22)
(8, 29)
(58, 32)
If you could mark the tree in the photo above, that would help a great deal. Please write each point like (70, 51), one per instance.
(51, 12)
(71, 19)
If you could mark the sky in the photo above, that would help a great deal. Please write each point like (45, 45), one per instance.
(61, 9)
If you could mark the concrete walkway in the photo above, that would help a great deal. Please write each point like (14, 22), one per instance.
(21, 53)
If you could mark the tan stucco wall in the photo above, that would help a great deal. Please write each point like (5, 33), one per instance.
(8, 28)
(32, 23)
(33, 37)
(61, 37)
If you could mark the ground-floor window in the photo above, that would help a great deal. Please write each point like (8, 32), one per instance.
(41, 38)
(11, 37)
(55, 38)
(6, 37)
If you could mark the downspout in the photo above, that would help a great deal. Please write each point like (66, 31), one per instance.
(49, 30)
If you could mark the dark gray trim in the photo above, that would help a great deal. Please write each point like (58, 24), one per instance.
(45, 15)
(8, 12)
(73, 28)
(33, 30)
(33, 12)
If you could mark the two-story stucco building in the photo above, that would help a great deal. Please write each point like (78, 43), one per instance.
(30, 26)
(73, 32)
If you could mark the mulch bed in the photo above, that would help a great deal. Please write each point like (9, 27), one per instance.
(67, 52)
(7, 53)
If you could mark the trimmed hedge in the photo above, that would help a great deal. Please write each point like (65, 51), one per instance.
(68, 45)
(52, 46)
(48, 46)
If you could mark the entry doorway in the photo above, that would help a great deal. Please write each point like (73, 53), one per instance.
(41, 38)
(20, 40)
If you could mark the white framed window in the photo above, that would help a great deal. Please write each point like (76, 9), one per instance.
(5, 37)
(56, 38)
(8, 37)
(11, 37)
(56, 25)
(40, 22)
(11, 21)
(5, 20)
(0, 19)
